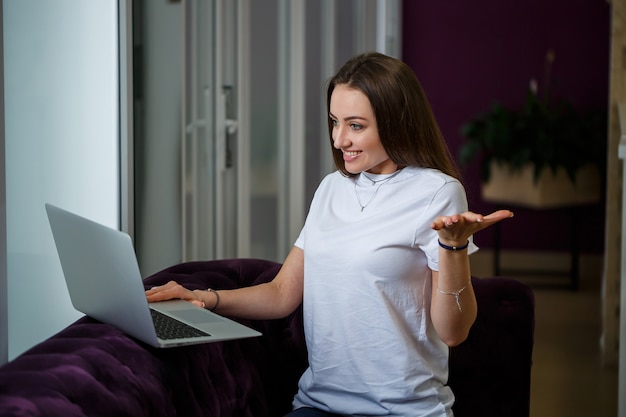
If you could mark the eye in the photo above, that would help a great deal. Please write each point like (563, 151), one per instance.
(356, 126)
(334, 122)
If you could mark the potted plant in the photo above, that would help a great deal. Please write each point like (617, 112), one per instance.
(521, 151)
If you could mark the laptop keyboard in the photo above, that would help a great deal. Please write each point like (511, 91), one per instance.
(169, 328)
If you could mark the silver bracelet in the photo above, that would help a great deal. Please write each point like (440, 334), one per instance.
(456, 294)
(217, 295)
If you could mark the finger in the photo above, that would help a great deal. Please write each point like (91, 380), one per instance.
(165, 292)
(447, 222)
(493, 218)
(159, 296)
(472, 217)
(166, 286)
(498, 215)
(441, 222)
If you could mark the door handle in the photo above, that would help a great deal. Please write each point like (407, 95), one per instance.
(230, 123)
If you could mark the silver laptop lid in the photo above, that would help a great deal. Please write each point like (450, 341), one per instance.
(101, 273)
(104, 282)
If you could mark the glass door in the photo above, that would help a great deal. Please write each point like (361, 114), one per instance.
(243, 162)
(199, 147)
(251, 144)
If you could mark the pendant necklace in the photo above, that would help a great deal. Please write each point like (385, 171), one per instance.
(374, 182)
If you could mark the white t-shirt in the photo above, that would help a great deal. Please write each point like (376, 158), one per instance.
(372, 347)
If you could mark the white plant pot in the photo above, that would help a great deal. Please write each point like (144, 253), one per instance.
(550, 191)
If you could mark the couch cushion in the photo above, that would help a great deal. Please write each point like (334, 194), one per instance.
(250, 377)
(87, 369)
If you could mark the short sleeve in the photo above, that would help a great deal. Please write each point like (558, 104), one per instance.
(448, 200)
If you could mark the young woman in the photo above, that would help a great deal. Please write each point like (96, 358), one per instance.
(381, 265)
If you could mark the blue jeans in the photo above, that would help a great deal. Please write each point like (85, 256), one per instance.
(310, 412)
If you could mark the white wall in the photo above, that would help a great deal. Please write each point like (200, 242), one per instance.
(61, 145)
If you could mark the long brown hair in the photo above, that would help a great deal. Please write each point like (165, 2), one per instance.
(406, 124)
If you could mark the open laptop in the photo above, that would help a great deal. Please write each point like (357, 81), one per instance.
(104, 282)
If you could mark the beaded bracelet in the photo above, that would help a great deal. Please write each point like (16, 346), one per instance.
(453, 248)
(217, 295)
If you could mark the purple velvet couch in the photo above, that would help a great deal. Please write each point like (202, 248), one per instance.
(92, 369)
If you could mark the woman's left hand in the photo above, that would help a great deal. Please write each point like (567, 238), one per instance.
(455, 230)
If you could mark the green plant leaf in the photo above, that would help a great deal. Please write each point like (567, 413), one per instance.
(548, 135)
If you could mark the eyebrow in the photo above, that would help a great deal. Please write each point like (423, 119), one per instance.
(347, 118)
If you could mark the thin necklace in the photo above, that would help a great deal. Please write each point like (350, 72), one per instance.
(373, 181)
(380, 184)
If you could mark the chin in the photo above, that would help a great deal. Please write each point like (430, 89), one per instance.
(352, 169)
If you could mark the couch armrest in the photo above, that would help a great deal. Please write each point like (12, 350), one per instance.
(490, 371)
(87, 369)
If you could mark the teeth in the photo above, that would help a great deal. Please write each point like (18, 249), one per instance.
(351, 153)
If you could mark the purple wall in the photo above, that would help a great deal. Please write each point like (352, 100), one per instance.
(469, 54)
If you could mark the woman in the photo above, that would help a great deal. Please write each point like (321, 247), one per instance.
(381, 265)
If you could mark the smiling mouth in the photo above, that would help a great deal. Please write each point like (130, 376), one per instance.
(351, 153)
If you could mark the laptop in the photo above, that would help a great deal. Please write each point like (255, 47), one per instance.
(104, 282)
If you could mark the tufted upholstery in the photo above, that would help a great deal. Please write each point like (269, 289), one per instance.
(490, 371)
(92, 369)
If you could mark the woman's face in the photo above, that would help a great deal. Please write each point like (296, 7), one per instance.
(355, 132)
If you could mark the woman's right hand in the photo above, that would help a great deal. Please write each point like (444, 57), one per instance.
(270, 300)
(173, 290)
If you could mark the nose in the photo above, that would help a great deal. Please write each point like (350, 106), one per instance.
(340, 138)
